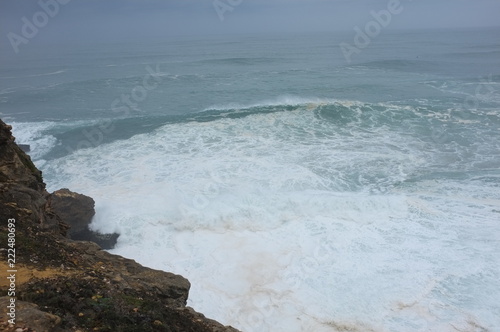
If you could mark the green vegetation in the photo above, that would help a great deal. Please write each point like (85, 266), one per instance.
(86, 301)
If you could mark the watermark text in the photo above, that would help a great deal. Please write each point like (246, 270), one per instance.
(31, 27)
(11, 270)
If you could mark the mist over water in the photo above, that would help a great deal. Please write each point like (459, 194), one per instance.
(295, 191)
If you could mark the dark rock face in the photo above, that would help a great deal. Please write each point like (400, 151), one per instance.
(22, 191)
(25, 147)
(66, 285)
(77, 211)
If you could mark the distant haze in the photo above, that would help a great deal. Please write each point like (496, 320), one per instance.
(87, 20)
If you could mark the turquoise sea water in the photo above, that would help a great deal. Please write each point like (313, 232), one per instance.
(295, 190)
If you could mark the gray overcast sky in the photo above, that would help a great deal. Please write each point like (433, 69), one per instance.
(80, 20)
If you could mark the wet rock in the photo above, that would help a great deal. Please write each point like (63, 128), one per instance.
(105, 241)
(77, 211)
(25, 147)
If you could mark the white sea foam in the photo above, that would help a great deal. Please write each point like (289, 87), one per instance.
(289, 100)
(272, 224)
(36, 75)
(36, 135)
(33, 134)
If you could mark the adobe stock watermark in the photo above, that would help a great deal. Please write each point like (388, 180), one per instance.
(372, 29)
(121, 106)
(11, 270)
(223, 6)
(40, 19)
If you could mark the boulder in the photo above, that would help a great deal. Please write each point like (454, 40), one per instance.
(77, 211)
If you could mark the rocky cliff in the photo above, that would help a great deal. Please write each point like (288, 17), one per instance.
(66, 285)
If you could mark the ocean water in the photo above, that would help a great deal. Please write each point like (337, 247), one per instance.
(297, 191)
